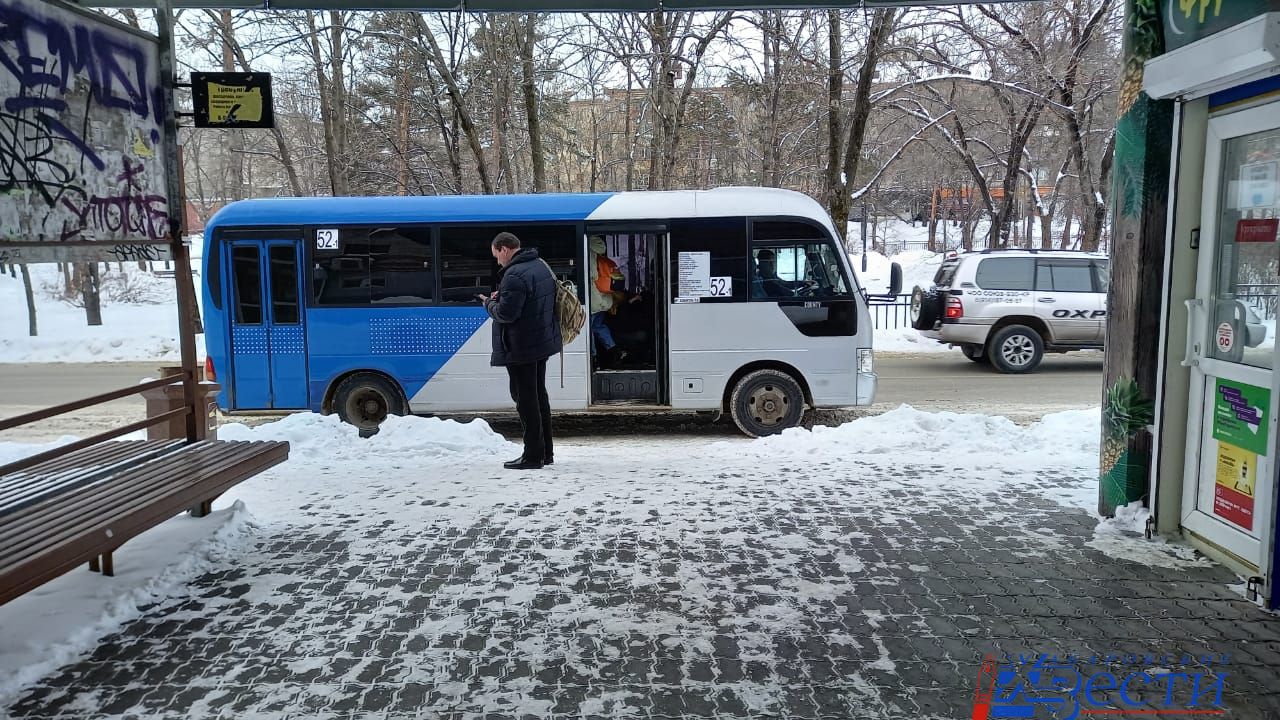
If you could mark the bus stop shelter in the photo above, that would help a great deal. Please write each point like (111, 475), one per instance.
(1194, 228)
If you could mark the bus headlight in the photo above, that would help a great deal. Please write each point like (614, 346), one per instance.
(866, 363)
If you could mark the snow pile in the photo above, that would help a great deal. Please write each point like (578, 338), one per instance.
(1123, 536)
(312, 437)
(1066, 439)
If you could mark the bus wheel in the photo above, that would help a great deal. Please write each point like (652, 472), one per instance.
(365, 400)
(766, 402)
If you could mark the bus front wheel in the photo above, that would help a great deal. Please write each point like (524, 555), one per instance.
(365, 400)
(766, 402)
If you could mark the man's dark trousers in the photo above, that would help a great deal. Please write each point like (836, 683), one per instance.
(529, 391)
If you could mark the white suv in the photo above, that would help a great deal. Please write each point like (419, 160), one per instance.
(1009, 307)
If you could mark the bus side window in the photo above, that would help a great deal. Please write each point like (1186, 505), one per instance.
(725, 238)
(467, 267)
(341, 277)
(400, 271)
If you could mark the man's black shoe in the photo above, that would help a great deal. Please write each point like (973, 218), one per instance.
(549, 460)
(521, 464)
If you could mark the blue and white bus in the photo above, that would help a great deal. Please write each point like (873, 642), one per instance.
(366, 306)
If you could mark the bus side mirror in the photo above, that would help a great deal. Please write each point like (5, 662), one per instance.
(895, 279)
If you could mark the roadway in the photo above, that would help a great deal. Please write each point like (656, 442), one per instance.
(944, 381)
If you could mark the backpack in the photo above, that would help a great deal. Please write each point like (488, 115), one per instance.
(570, 315)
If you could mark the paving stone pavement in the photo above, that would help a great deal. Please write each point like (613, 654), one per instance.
(789, 600)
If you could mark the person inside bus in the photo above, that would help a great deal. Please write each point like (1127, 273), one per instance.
(767, 283)
(525, 333)
(604, 300)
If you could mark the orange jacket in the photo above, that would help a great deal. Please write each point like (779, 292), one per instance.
(605, 268)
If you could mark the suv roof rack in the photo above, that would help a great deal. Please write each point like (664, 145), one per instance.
(988, 251)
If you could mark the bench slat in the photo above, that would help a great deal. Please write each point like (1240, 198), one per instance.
(29, 487)
(68, 513)
(135, 510)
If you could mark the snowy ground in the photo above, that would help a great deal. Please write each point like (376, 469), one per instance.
(141, 324)
(856, 571)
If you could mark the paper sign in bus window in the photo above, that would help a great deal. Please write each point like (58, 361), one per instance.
(695, 274)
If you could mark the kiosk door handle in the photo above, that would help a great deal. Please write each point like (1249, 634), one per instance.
(1191, 357)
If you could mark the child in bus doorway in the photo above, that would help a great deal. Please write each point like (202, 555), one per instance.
(604, 272)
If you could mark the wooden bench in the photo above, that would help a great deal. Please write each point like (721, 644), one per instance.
(80, 507)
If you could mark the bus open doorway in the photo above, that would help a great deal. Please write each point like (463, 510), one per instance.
(627, 318)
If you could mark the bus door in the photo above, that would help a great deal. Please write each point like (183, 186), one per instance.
(628, 342)
(268, 342)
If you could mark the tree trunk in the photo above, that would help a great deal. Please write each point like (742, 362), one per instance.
(1046, 231)
(328, 103)
(1095, 213)
(837, 199)
(282, 146)
(337, 34)
(1066, 231)
(235, 138)
(660, 68)
(90, 292)
(403, 110)
(32, 329)
(673, 119)
(630, 136)
(529, 83)
(882, 24)
(771, 150)
(461, 111)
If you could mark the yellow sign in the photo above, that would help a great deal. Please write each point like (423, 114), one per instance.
(232, 100)
(1236, 477)
(228, 104)
(1237, 468)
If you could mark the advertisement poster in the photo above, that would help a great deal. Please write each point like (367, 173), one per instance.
(695, 274)
(1258, 184)
(1233, 489)
(1257, 230)
(1240, 415)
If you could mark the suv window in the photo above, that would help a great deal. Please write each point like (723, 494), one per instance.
(1102, 275)
(1064, 276)
(946, 273)
(1006, 274)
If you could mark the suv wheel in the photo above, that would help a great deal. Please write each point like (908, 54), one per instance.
(976, 353)
(924, 308)
(1016, 349)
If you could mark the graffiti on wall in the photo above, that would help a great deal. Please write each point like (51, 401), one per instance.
(81, 113)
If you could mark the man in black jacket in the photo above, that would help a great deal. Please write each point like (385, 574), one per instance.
(525, 334)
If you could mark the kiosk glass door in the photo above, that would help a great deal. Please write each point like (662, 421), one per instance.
(1231, 480)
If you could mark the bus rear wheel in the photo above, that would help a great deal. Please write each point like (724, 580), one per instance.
(766, 402)
(365, 400)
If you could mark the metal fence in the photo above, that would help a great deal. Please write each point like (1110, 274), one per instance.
(1261, 297)
(888, 316)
